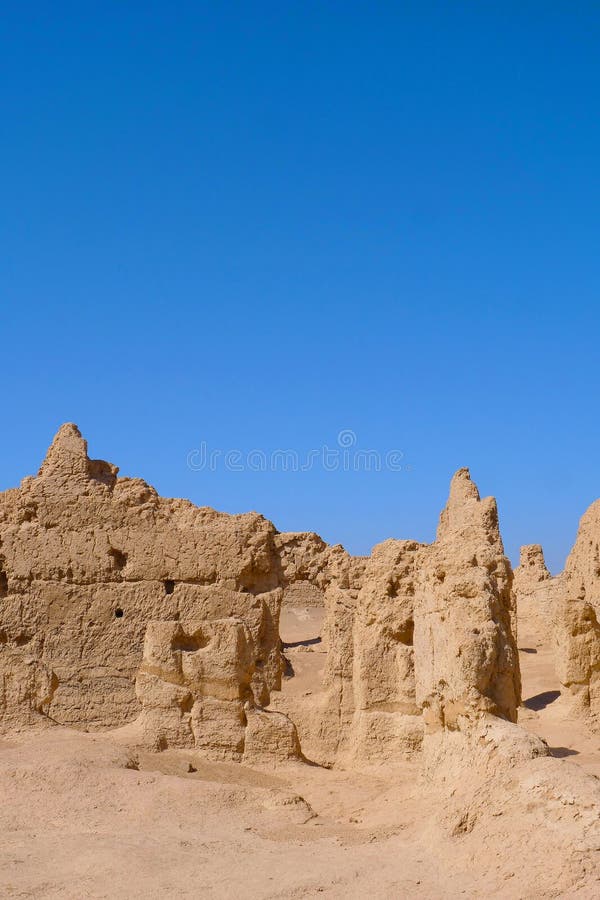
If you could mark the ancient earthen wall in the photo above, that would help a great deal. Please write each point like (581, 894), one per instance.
(466, 658)
(536, 592)
(195, 690)
(386, 720)
(87, 559)
(576, 625)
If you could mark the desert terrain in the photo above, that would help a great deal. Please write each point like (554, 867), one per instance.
(300, 723)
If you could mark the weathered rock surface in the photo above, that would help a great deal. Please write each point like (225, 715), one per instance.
(26, 689)
(270, 738)
(159, 620)
(536, 591)
(195, 689)
(324, 720)
(532, 570)
(87, 559)
(366, 710)
(476, 759)
(304, 560)
(583, 564)
(387, 720)
(576, 625)
(466, 658)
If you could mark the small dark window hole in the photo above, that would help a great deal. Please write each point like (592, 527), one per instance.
(119, 558)
(118, 613)
(169, 586)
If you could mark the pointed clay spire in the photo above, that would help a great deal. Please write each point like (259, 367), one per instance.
(68, 457)
(532, 562)
(466, 510)
(67, 453)
(462, 488)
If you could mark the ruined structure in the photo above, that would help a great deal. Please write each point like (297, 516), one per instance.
(366, 709)
(123, 607)
(536, 592)
(576, 625)
(531, 571)
(466, 659)
(88, 559)
(94, 568)
(386, 720)
(564, 610)
(158, 623)
(26, 689)
(195, 690)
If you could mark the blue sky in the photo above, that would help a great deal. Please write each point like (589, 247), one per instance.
(255, 225)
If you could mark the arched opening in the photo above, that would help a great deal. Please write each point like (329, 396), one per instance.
(302, 640)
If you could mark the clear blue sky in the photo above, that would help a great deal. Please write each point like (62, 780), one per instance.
(257, 224)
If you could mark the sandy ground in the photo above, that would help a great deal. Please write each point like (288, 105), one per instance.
(82, 816)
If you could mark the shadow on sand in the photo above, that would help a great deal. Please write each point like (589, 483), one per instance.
(541, 701)
(561, 752)
(307, 643)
